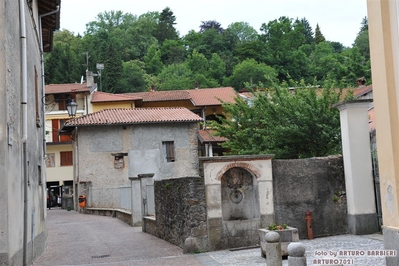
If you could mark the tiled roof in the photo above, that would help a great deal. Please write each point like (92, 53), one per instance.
(206, 135)
(127, 116)
(65, 88)
(203, 97)
(360, 91)
(199, 97)
(100, 97)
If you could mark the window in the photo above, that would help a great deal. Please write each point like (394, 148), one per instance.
(169, 151)
(66, 158)
(50, 160)
(56, 125)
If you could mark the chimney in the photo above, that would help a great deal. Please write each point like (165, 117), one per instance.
(152, 88)
(196, 85)
(361, 82)
(89, 79)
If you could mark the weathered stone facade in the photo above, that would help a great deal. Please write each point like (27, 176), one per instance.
(22, 167)
(188, 210)
(315, 184)
(180, 212)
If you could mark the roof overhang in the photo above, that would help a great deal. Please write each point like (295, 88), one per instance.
(50, 23)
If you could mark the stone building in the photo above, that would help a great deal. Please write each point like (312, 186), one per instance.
(113, 145)
(26, 31)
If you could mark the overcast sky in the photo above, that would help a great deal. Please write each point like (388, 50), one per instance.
(339, 20)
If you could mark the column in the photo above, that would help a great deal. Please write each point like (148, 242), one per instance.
(362, 216)
(384, 53)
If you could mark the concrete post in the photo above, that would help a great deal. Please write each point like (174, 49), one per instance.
(362, 214)
(136, 201)
(273, 249)
(296, 254)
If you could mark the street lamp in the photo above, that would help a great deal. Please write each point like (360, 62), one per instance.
(72, 108)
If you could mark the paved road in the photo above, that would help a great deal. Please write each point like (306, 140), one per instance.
(80, 239)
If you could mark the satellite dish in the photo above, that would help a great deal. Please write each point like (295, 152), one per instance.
(81, 80)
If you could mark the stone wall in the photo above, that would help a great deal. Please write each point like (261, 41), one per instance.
(315, 184)
(180, 213)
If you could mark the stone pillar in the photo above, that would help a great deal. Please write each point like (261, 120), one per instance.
(136, 201)
(273, 249)
(138, 197)
(362, 216)
(296, 254)
(384, 53)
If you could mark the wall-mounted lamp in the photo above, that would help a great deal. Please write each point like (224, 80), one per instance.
(72, 108)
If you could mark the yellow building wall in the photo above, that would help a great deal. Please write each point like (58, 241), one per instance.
(58, 173)
(184, 103)
(101, 106)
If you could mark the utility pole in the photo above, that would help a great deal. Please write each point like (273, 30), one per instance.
(100, 67)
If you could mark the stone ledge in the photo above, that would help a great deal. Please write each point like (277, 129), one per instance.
(109, 209)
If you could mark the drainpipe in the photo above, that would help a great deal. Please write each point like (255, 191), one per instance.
(43, 79)
(24, 114)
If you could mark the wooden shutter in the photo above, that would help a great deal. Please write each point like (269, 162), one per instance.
(66, 158)
(55, 128)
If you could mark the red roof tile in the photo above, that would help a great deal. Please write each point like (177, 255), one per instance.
(362, 90)
(199, 97)
(205, 135)
(135, 116)
(99, 97)
(65, 88)
(203, 97)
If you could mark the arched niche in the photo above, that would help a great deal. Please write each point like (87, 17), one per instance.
(240, 199)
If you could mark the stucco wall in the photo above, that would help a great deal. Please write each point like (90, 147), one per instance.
(315, 184)
(11, 163)
(180, 212)
(59, 173)
(97, 144)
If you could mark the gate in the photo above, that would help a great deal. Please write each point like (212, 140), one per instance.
(376, 176)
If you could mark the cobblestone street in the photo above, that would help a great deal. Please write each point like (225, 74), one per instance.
(79, 239)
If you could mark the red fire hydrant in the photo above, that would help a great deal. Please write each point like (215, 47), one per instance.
(309, 219)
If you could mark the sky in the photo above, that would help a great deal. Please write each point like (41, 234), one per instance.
(339, 20)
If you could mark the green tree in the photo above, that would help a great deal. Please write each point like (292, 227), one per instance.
(197, 62)
(133, 77)
(291, 125)
(176, 77)
(139, 36)
(173, 52)
(251, 71)
(308, 31)
(217, 68)
(166, 29)
(242, 31)
(319, 37)
(109, 54)
(63, 64)
(152, 60)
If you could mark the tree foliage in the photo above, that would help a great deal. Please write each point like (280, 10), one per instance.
(211, 24)
(297, 123)
(213, 56)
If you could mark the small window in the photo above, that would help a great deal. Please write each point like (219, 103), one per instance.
(169, 151)
(50, 160)
(66, 158)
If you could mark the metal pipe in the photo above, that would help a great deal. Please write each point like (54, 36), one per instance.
(309, 219)
(24, 114)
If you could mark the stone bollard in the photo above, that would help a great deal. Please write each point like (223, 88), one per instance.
(296, 254)
(273, 249)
